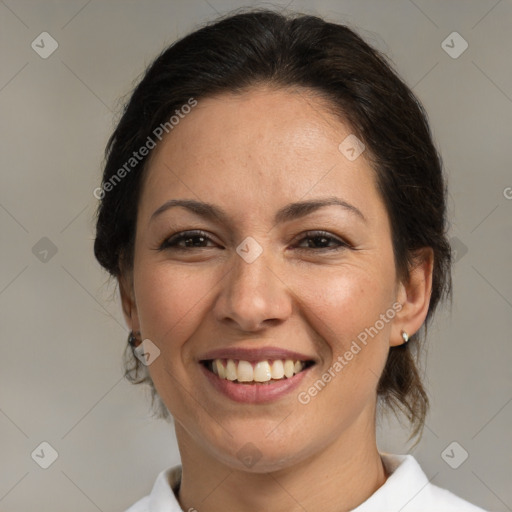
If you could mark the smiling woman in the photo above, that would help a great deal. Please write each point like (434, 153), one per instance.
(279, 255)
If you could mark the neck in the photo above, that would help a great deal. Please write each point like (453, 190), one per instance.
(336, 479)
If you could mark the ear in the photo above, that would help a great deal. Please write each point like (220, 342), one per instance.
(414, 296)
(129, 305)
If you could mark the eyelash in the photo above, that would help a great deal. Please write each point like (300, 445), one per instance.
(171, 243)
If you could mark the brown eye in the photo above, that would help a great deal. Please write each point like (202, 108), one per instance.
(186, 240)
(322, 240)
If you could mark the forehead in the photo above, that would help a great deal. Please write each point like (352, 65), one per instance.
(261, 120)
(263, 146)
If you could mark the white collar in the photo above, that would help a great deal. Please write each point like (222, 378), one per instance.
(407, 489)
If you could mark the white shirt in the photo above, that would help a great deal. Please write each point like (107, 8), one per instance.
(407, 489)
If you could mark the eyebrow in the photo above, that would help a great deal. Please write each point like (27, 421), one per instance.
(287, 213)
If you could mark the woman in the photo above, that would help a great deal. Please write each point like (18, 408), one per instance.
(273, 208)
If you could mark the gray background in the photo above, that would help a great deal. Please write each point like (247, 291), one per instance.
(62, 331)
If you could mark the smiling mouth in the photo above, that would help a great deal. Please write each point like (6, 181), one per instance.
(256, 372)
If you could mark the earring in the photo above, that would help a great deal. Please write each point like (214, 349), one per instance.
(132, 339)
(405, 337)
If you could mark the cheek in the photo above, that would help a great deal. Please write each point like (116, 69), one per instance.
(167, 300)
(172, 301)
(350, 312)
(347, 301)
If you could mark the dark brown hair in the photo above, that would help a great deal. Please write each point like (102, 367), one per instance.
(241, 50)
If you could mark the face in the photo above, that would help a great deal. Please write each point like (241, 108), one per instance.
(256, 279)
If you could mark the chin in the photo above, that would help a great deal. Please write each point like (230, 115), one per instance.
(259, 453)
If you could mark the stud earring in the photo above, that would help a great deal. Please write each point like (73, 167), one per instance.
(132, 339)
(405, 337)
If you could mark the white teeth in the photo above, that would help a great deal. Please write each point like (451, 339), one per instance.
(245, 372)
(277, 369)
(221, 371)
(231, 370)
(289, 368)
(261, 371)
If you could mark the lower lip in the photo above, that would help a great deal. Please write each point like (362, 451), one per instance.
(254, 393)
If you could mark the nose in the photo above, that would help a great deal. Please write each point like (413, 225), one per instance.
(254, 295)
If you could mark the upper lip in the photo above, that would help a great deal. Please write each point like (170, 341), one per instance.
(255, 354)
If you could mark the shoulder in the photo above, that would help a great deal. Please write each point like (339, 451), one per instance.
(408, 489)
(450, 502)
(163, 494)
(141, 506)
